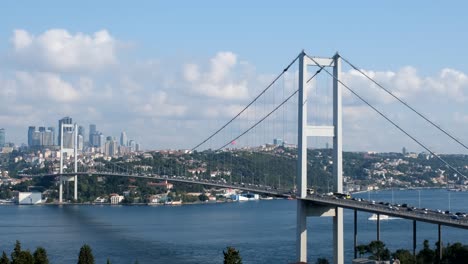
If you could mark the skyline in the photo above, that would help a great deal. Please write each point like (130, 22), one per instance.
(170, 83)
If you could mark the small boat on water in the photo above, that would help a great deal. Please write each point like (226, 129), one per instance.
(373, 217)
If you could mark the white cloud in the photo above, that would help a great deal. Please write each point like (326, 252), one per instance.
(46, 86)
(407, 84)
(220, 81)
(62, 76)
(59, 50)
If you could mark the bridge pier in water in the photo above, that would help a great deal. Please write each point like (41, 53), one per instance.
(305, 209)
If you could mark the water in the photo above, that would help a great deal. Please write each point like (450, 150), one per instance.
(263, 231)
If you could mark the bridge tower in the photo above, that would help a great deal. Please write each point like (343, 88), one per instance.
(304, 208)
(66, 149)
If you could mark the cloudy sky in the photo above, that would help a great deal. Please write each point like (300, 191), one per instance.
(169, 73)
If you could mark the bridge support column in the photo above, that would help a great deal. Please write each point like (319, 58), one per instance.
(378, 227)
(440, 241)
(414, 239)
(355, 233)
(301, 238)
(338, 243)
(75, 152)
(60, 189)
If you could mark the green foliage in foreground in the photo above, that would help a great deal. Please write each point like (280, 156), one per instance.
(451, 254)
(86, 255)
(232, 256)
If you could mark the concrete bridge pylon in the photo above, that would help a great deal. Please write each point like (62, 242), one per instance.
(305, 209)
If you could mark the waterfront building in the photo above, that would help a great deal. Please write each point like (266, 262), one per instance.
(29, 198)
(115, 198)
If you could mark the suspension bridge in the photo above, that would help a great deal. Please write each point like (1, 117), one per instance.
(288, 110)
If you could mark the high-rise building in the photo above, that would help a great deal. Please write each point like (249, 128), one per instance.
(278, 141)
(52, 131)
(80, 142)
(31, 130)
(101, 140)
(92, 132)
(132, 145)
(66, 120)
(123, 139)
(46, 137)
(110, 147)
(2, 137)
(42, 137)
(81, 131)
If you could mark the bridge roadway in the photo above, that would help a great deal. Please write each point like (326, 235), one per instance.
(241, 186)
(418, 214)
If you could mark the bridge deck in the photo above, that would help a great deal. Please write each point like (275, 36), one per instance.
(417, 214)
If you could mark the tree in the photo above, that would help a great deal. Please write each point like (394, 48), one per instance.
(361, 249)
(426, 255)
(40, 256)
(404, 256)
(232, 256)
(86, 255)
(378, 251)
(456, 253)
(16, 251)
(202, 197)
(24, 257)
(4, 259)
(108, 261)
(322, 261)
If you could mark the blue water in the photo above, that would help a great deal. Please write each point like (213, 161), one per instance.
(263, 231)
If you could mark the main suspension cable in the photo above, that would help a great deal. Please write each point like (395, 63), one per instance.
(253, 101)
(267, 115)
(389, 120)
(406, 104)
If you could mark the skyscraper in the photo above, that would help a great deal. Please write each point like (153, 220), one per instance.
(110, 147)
(92, 132)
(123, 139)
(66, 120)
(2, 137)
(31, 130)
(52, 131)
(42, 137)
(81, 131)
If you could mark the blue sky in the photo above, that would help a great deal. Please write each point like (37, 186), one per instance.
(378, 36)
(377, 33)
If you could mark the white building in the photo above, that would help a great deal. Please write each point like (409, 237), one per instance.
(29, 197)
(116, 199)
